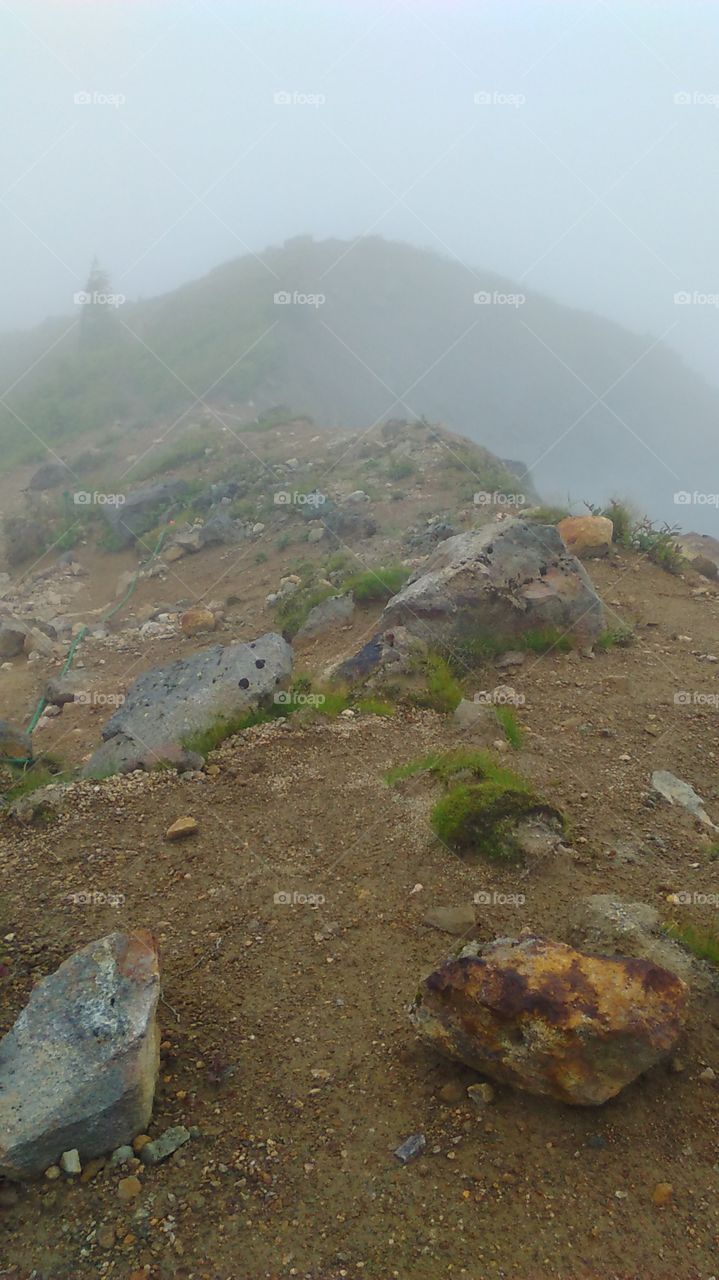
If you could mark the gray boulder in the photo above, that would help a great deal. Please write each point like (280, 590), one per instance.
(78, 1069)
(49, 475)
(128, 519)
(168, 703)
(328, 613)
(504, 579)
(604, 924)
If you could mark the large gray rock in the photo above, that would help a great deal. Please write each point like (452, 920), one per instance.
(503, 580)
(49, 475)
(606, 925)
(78, 1069)
(328, 613)
(128, 519)
(168, 703)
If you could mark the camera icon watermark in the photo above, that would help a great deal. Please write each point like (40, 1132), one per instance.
(503, 696)
(493, 898)
(83, 498)
(483, 498)
(684, 499)
(87, 98)
(695, 98)
(284, 898)
(695, 298)
(494, 98)
(693, 898)
(96, 898)
(683, 698)
(283, 298)
(287, 698)
(292, 98)
(495, 298)
(288, 498)
(92, 698)
(112, 300)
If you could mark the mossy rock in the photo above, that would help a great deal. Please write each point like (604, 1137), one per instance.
(481, 818)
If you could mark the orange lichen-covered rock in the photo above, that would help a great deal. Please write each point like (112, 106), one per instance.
(587, 536)
(545, 1018)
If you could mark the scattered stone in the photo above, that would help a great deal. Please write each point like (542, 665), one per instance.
(662, 1194)
(70, 1162)
(411, 1148)
(587, 536)
(604, 924)
(65, 688)
(12, 639)
(106, 1236)
(153, 1153)
(452, 1093)
(553, 1021)
(194, 621)
(508, 661)
(481, 1094)
(127, 519)
(120, 1156)
(678, 792)
(92, 1168)
(129, 1188)
(53, 1173)
(88, 1041)
(479, 717)
(181, 828)
(708, 1075)
(455, 920)
(140, 1141)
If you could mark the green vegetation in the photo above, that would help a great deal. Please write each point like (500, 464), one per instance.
(444, 693)
(292, 612)
(507, 718)
(177, 453)
(547, 515)
(621, 635)
(703, 943)
(637, 533)
(478, 650)
(482, 805)
(376, 585)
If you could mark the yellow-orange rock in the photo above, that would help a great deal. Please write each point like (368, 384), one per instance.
(195, 621)
(545, 1018)
(587, 537)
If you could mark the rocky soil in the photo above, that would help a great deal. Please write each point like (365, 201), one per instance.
(292, 920)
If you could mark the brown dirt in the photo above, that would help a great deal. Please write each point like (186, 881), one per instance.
(288, 1044)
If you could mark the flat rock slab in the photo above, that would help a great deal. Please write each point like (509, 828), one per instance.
(168, 703)
(78, 1069)
(553, 1021)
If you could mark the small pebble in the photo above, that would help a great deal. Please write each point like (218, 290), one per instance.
(707, 1075)
(129, 1188)
(481, 1094)
(411, 1148)
(662, 1194)
(452, 1092)
(121, 1156)
(53, 1172)
(106, 1236)
(70, 1162)
(182, 828)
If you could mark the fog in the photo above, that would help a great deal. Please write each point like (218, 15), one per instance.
(570, 147)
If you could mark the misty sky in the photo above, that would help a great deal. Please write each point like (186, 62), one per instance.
(579, 174)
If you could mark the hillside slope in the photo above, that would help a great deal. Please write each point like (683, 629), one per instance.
(593, 408)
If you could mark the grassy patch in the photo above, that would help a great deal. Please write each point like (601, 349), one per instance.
(292, 613)
(703, 943)
(507, 718)
(187, 448)
(377, 585)
(621, 635)
(482, 804)
(547, 515)
(444, 693)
